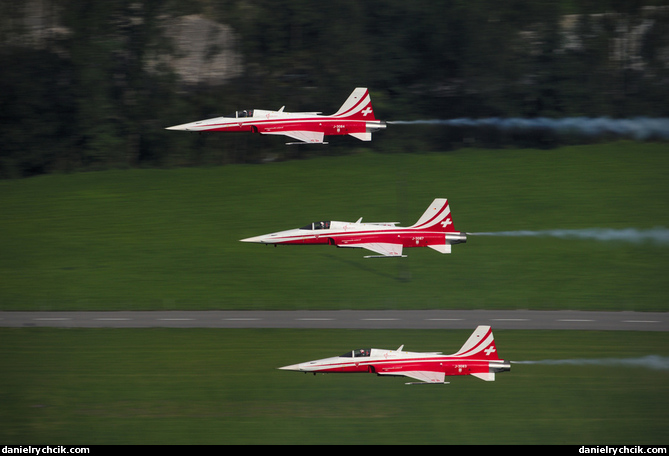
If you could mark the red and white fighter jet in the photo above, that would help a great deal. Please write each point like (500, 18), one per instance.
(477, 357)
(434, 229)
(354, 118)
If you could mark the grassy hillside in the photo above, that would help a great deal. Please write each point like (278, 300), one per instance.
(168, 239)
(200, 386)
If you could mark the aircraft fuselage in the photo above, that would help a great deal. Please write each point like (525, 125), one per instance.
(434, 230)
(477, 357)
(355, 118)
(345, 234)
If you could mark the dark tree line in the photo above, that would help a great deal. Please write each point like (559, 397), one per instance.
(98, 95)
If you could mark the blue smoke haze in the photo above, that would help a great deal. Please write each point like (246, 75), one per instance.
(640, 128)
(649, 362)
(658, 235)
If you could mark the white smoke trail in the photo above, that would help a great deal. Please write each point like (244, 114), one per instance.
(658, 235)
(640, 128)
(649, 362)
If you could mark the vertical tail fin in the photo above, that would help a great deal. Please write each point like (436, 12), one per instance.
(437, 217)
(358, 106)
(481, 344)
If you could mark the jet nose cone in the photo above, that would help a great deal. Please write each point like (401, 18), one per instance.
(292, 367)
(256, 239)
(179, 127)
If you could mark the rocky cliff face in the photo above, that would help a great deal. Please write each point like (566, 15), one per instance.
(201, 51)
(205, 51)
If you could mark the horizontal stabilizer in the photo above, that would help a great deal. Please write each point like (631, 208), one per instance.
(366, 136)
(487, 376)
(441, 248)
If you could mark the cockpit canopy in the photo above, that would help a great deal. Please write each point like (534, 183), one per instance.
(317, 226)
(359, 353)
(241, 114)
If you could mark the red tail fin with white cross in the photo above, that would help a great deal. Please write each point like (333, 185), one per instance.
(480, 345)
(358, 106)
(437, 217)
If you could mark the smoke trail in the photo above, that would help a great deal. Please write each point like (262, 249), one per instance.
(640, 128)
(658, 235)
(649, 362)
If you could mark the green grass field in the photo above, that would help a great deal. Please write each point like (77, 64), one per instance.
(201, 386)
(168, 239)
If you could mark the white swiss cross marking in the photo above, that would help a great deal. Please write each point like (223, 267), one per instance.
(366, 111)
(446, 222)
(489, 350)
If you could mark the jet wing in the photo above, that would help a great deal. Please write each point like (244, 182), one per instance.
(423, 376)
(383, 249)
(310, 137)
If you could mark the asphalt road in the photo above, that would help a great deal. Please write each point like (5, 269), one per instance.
(345, 319)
